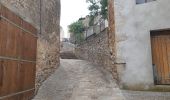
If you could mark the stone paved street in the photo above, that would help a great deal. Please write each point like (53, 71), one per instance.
(81, 80)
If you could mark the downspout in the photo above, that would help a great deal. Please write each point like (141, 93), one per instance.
(40, 16)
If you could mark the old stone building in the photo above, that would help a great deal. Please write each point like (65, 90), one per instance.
(140, 40)
(45, 16)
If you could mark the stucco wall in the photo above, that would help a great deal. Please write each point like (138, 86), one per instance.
(133, 24)
(48, 36)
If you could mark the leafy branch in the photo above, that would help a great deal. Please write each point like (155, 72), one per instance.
(97, 7)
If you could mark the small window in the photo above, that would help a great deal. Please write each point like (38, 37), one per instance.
(143, 1)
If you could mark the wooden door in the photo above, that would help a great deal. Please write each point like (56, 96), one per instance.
(18, 44)
(161, 55)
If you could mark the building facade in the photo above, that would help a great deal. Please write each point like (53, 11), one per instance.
(140, 30)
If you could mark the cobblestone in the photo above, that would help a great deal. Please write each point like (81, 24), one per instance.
(81, 80)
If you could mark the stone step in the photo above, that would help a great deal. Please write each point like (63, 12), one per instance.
(68, 55)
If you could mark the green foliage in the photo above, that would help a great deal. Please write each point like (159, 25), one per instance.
(94, 10)
(104, 8)
(97, 7)
(77, 28)
(94, 7)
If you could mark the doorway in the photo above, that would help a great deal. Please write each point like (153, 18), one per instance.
(160, 42)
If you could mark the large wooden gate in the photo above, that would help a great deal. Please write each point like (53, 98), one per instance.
(18, 42)
(161, 56)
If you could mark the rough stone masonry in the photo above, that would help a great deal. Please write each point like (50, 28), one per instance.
(45, 16)
(96, 49)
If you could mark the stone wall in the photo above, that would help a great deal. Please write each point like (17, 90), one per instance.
(96, 49)
(45, 16)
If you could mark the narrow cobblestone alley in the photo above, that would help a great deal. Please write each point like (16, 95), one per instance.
(81, 80)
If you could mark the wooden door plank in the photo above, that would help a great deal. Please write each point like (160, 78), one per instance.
(159, 58)
(10, 78)
(168, 52)
(154, 59)
(3, 37)
(165, 60)
(162, 64)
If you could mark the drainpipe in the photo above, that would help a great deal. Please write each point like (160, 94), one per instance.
(40, 16)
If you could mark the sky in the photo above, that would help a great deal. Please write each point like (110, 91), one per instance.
(71, 11)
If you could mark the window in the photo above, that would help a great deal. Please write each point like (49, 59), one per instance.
(143, 1)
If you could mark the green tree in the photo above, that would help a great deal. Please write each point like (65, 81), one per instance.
(97, 7)
(104, 8)
(77, 28)
(94, 10)
(94, 7)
